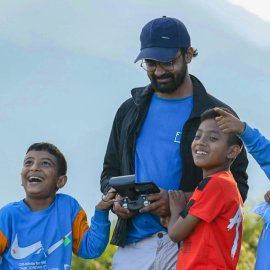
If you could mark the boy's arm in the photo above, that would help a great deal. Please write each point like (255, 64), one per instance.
(91, 242)
(5, 227)
(180, 228)
(3, 243)
(257, 145)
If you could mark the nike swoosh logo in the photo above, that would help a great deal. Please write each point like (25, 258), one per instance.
(18, 252)
(57, 244)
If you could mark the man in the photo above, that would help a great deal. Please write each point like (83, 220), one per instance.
(151, 137)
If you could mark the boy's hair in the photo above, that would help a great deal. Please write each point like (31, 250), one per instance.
(53, 150)
(212, 114)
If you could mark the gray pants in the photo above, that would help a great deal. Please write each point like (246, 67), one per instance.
(157, 252)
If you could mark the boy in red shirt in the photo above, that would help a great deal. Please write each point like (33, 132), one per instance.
(210, 224)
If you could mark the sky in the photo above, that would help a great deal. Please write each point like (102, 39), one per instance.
(67, 66)
(259, 7)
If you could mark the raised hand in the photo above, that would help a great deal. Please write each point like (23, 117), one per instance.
(229, 123)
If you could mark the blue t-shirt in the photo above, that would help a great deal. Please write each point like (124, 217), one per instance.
(45, 239)
(157, 155)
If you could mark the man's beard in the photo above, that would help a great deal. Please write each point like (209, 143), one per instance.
(171, 86)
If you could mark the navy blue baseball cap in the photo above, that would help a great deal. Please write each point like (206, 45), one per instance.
(162, 38)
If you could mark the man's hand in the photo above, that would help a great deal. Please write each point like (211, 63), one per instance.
(159, 204)
(121, 211)
(165, 221)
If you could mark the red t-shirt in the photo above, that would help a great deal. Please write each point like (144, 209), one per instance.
(216, 240)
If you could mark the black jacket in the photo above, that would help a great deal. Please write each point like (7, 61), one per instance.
(119, 157)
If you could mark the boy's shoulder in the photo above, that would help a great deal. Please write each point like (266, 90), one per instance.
(222, 177)
(65, 198)
(217, 183)
(10, 209)
(66, 201)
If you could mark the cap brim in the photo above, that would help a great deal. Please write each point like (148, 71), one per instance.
(157, 54)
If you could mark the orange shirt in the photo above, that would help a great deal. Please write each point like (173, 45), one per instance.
(216, 240)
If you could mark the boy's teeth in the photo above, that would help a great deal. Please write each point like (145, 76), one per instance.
(35, 179)
(201, 153)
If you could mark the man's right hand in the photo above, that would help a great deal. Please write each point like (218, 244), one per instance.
(121, 211)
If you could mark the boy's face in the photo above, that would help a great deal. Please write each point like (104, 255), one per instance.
(40, 175)
(210, 149)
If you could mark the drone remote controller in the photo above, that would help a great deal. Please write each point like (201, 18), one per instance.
(134, 194)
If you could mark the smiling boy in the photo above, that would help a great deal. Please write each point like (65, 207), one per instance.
(42, 230)
(210, 225)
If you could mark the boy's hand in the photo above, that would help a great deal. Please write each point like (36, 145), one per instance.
(188, 195)
(121, 211)
(229, 123)
(177, 200)
(107, 201)
(267, 196)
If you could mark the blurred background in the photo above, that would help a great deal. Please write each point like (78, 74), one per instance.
(66, 66)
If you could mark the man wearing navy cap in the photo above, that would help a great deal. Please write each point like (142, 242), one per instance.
(151, 137)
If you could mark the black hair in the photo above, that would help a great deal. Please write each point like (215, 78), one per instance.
(212, 114)
(184, 51)
(53, 150)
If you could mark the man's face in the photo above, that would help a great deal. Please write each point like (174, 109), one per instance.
(165, 81)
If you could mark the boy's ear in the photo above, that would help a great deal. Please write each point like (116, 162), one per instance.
(61, 181)
(234, 151)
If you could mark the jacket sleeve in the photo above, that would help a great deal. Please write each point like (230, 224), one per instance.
(111, 164)
(238, 169)
(258, 146)
(91, 242)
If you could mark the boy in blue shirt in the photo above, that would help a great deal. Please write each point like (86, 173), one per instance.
(42, 230)
(259, 147)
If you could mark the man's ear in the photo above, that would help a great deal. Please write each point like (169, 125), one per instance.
(234, 151)
(61, 181)
(189, 55)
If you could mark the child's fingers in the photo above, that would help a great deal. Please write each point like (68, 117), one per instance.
(173, 194)
(267, 196)
(222, 112)
(110, 195)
